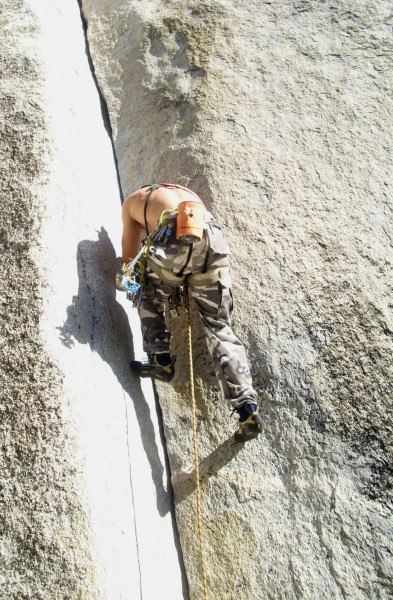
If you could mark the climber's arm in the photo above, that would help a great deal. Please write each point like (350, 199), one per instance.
(131, 233)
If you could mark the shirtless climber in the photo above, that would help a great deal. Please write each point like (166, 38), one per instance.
(204, 263)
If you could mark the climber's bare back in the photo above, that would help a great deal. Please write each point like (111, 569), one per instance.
(133, 214)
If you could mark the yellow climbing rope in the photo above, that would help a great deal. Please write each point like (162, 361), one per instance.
(196, 459)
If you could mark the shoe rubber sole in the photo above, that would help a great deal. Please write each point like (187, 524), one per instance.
(249, 429)
(164, 374)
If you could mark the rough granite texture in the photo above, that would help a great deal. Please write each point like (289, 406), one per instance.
(45, 545)
(279, 114)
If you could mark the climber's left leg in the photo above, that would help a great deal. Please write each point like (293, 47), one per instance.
(215, 305)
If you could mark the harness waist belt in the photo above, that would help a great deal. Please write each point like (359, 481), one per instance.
(170, 278)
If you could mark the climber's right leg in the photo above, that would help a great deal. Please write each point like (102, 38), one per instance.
(156, 337)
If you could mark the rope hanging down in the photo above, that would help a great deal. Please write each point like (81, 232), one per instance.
(196, 459)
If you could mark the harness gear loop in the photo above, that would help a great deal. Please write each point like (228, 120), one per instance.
(194, 431)
(134, 271)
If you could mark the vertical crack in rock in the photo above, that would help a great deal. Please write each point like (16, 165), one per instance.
(276, 114)
(104, 107)
(133, 501)
(170, 492)
(179, 549)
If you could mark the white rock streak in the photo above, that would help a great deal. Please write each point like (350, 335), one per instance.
(87, 330)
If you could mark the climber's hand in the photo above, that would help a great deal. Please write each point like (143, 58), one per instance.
(124, 278)
(119, 281)
(124, 269)
(127, 283)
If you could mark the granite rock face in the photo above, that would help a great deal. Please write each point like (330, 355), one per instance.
(37, 492)
(277, 114)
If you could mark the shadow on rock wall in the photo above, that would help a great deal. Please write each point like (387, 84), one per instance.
(97, 319)
(185, 483)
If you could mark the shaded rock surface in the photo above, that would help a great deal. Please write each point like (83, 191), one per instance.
(277, 114)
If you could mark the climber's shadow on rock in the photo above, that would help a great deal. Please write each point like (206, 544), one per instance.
(97, 319)
(184, 482)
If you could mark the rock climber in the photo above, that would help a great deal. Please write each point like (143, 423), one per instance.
(193, 249)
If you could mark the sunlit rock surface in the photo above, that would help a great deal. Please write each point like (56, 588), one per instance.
(277, 113)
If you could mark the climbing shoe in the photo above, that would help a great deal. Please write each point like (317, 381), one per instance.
(158, 366)
(250, 423)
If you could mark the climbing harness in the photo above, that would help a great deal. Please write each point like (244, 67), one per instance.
(176, 301)
(189, 220)
(134, 271)
(196, 457)
(170, 278)
(191, 214)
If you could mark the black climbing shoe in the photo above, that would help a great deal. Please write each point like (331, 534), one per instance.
(158, 366)
(250, 423)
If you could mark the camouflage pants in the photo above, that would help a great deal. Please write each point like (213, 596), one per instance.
(215, 304)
